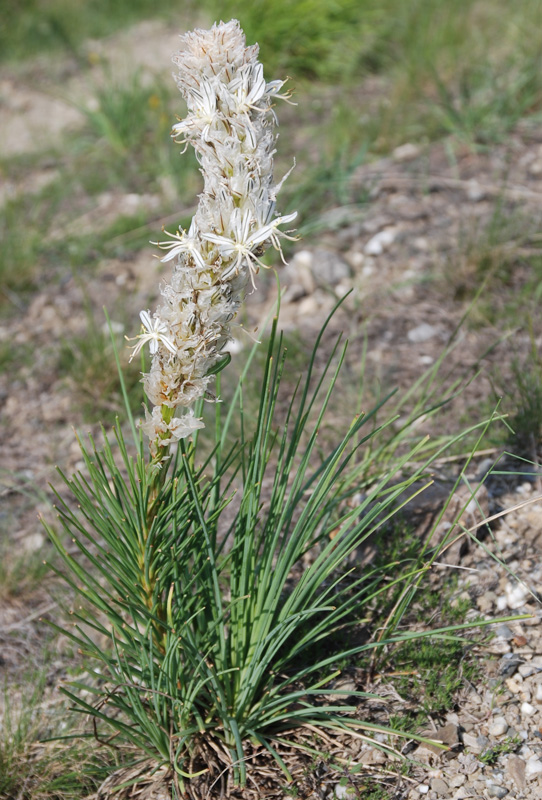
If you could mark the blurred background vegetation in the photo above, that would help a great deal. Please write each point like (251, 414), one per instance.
(368, 76)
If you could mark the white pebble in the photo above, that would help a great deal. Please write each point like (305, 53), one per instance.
(515, 595)
(422, 333)
(538, 696)
(423, 789)
(526, 669)
(501, 603)
(303, 258)
(533, 767)
(341, 791)
(498, 727)
(407, 152)
(380, 242)
(527, 709)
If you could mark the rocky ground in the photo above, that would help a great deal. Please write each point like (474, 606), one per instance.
(422, 231)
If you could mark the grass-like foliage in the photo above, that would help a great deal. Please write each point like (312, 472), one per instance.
(202, 638)
(32, 766)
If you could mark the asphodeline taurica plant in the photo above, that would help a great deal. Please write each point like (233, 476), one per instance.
(230, 123)
(212, 658)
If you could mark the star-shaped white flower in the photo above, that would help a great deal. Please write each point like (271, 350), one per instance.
(242, 242)
(154, 334)
(204, 114)
(183, 242)
(248, 89)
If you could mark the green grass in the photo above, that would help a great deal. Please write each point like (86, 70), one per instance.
(88, 361)
(21, 244)
(126, 145)
(435, 671)
(20, 574)
(31, 766)
(35, 26)
(507, 745)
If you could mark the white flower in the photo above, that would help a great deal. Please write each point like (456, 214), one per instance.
(248, 89)
(202, 102)
(154, 333)
(242, 242)
(183, 242)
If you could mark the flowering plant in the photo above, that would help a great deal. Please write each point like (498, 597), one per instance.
(207, 650)
(230, 125)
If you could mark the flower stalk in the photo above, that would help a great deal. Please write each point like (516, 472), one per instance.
(230, 123)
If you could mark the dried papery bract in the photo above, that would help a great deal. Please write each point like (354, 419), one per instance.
(230, 123)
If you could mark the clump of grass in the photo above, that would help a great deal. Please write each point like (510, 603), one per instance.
(20, 574)
(510, 744)
(27, 257)
(88, 360)
(19, 254)
(434, 672)
(30, 26)
(520, 387)
(32, 767)
(314, 38)
(128, 145)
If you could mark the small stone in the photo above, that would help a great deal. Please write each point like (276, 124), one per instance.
(502, 631)
(423, 789)
(421, 244)
(380, 242)
(448, 734)
(526, 669)
(475, 192)
(293, 292)
(471, 742)
(538, 695)
(469, 763)
(342, 687)
(422, 333)
(33, 542)
(509, 664)
(516, 769)
(406, 152)
(485, 603)
(373, 756)
(429, 754)
(501, 603)
(440, 787)
(533, 768)
(457, 780)
(516, 596)
(308, 307)
(329, 268)
(498, 727)
(342, 791)
(493, 790)
(527, 709)
(512, 685)
(535, 169)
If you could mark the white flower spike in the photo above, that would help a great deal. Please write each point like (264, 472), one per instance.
(230, 124)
